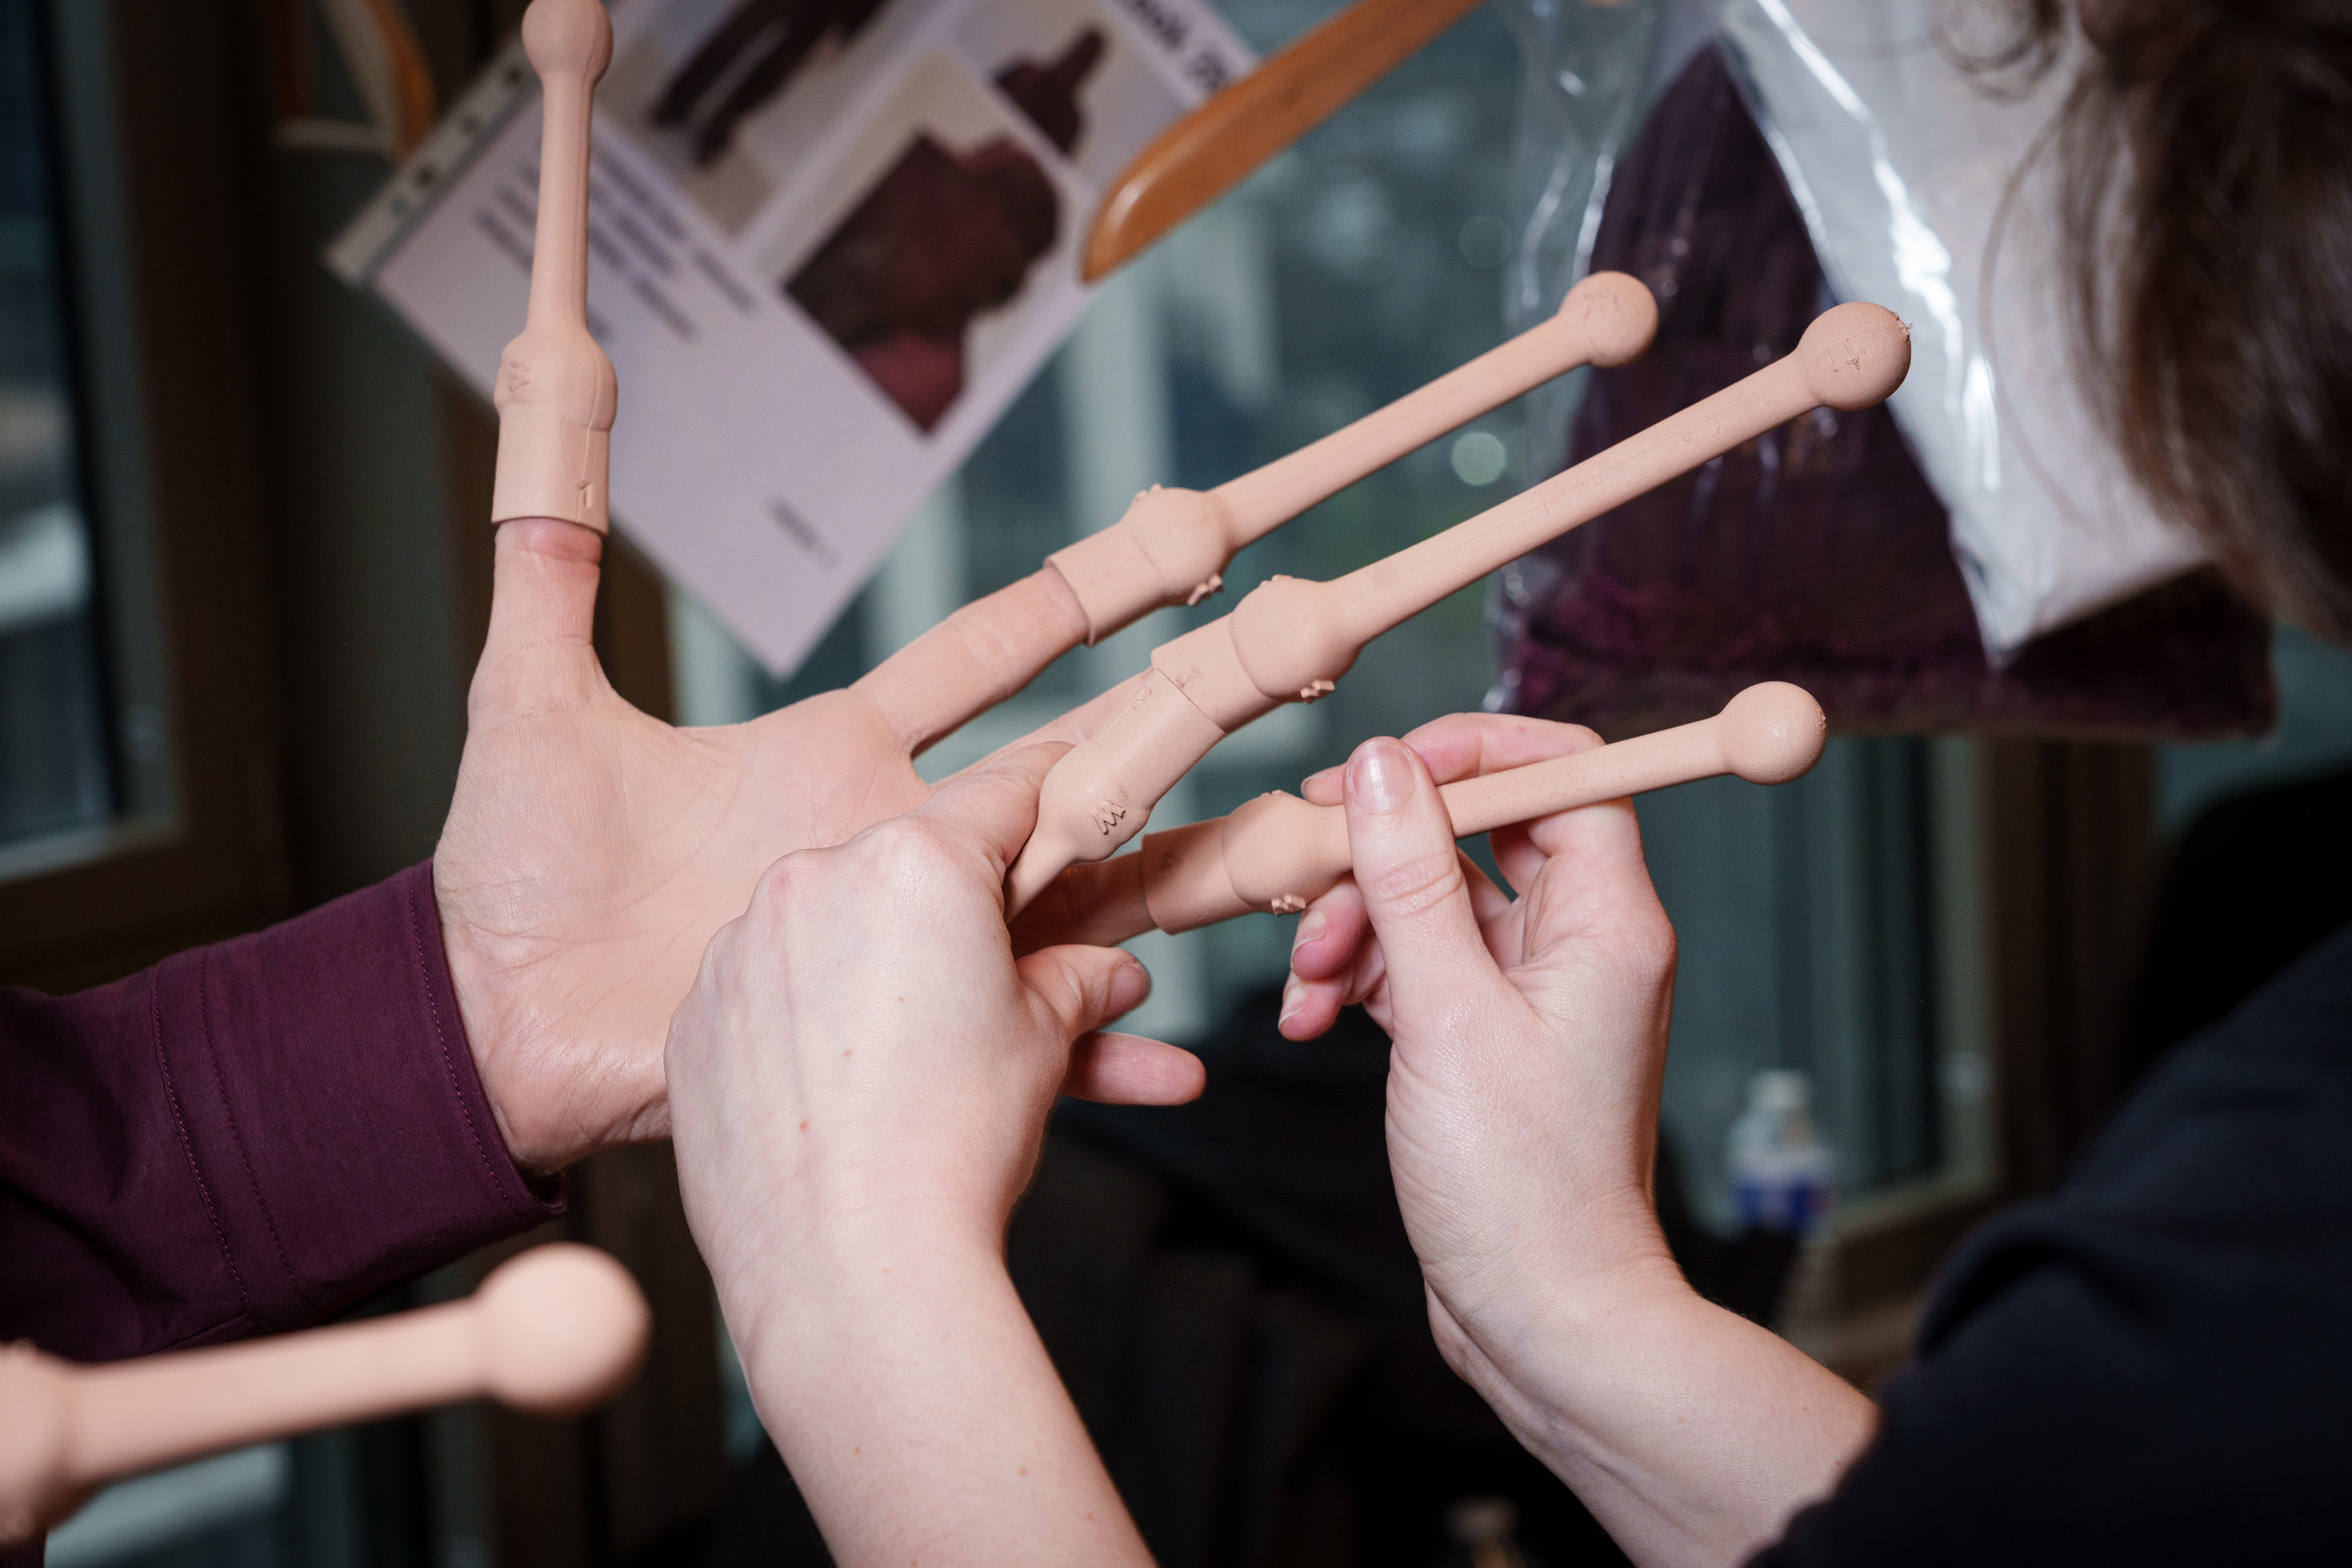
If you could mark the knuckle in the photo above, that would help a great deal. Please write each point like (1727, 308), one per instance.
(783, 885)
(908, 852)
(1067, 990)
(1413, 885)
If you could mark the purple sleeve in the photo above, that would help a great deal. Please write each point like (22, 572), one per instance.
(246, 1137)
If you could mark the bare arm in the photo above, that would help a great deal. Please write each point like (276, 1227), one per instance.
(922, 1420)
(859, 1083)
(1530, 1047)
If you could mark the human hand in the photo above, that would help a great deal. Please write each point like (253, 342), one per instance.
(1530, 1031)
(1530, 1039)
(861, 1049)
(859, 1083)
(591, 850)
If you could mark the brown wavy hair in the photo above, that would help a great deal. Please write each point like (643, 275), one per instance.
(2206, 153)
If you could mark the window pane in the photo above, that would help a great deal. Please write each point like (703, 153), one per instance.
(54, 770)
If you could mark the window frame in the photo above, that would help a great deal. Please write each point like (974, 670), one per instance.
(152, 225)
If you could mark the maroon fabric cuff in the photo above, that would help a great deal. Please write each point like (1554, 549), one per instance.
(248, 1136)
(329, 1106)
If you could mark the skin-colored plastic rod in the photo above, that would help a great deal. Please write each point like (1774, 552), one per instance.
(1214, 148)
(556, 392)
(1292, 639)
(557, 1331)
(1172, 546)
(1278, 854)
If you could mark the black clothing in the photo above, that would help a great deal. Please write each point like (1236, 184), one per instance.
(2258, 881)
(2155, 1366)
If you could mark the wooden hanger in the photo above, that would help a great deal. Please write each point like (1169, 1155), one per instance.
(1215, 146)
(379, 50)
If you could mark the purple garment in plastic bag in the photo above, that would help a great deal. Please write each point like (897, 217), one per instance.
(1817, 554)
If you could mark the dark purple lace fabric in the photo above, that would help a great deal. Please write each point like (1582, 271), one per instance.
(1817, 553)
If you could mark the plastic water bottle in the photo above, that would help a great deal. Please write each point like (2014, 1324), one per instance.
(1482, 1532)
(1780, 1173)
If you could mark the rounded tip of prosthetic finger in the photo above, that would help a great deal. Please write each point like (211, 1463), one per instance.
(563, 1328)
(567, 38)
(1618, 315)
(1189, 536)
(1773, 733)
(1855, 356)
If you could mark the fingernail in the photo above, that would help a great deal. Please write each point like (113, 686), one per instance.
(1129, 987)
(1311, 925)
(1379, 776)
(1293, 1000)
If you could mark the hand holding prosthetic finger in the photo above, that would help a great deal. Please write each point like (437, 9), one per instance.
(1278, 853)
(859, 1083)
(1529, 1051)
(875, 982)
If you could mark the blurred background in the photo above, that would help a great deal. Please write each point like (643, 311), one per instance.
(244, 574)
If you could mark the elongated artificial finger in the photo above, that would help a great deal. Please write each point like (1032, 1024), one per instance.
(1112, 1068)
(1067, 730)
(981, 654)
(995, 807)
(544, 586)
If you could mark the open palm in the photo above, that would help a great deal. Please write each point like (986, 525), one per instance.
(591, 851)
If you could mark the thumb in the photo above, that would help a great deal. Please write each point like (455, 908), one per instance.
(1081, 988)
(1085, 988)
(1410, 878)
(543, 593)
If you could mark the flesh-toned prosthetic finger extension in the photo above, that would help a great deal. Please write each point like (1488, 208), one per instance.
(555, 1332)
(1292, 639)
(1172, 547)
(1278, 854)
(556, 392)
(975, 658)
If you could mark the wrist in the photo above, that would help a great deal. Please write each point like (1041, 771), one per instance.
(479, 1020)
(1560, 1281)
(808, 1315)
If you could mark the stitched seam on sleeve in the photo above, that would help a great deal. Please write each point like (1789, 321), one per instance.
(187, 1144)
(440, 1037)
(236, 1134)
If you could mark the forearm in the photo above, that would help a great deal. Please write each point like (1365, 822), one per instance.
(1692, 1434)
(924, 1422)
